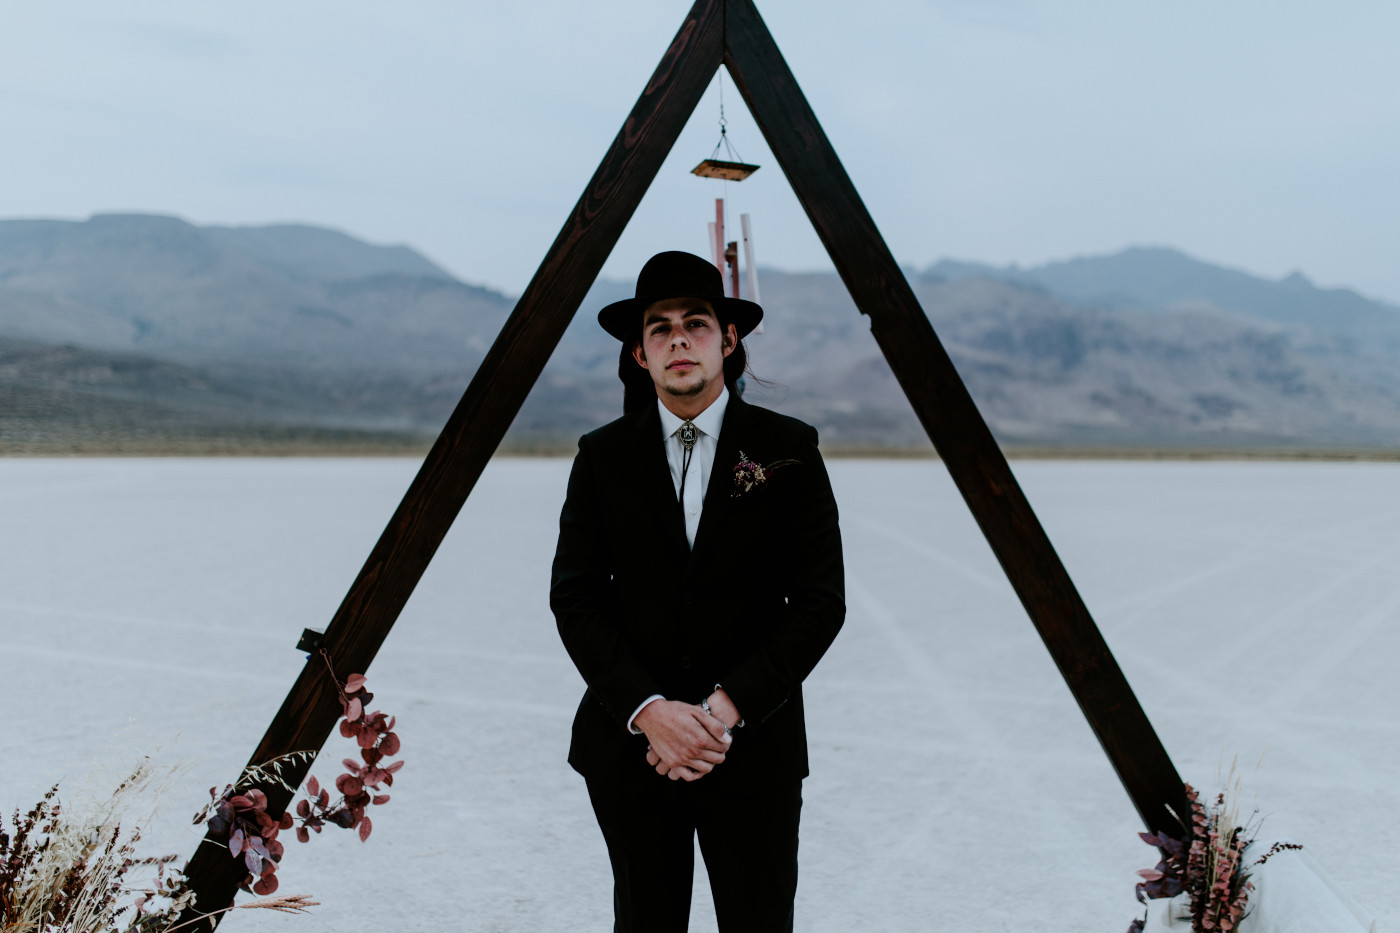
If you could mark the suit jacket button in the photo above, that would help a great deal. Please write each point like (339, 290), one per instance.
(685, 662)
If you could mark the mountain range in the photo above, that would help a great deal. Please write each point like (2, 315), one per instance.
(143, 332)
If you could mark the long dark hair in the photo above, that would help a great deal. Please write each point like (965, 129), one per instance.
(639, 390)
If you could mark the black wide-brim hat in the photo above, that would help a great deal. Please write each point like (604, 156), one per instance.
(677, 275)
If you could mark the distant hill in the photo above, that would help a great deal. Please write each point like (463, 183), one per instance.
(1160, 279)
(284, 294)
(143, 326)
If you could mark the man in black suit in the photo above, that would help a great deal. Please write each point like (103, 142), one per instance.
(697, 581)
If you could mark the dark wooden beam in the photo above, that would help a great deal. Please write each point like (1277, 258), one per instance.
(480, 420)
(950, 417)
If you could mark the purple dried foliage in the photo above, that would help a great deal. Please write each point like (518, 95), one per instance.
(1217, 905)
(1165, 878)
(252, 832)
(374, 733)
(1275, 849)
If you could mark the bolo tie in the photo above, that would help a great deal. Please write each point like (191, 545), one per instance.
(689, 434)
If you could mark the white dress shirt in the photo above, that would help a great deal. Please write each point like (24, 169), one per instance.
(697, 477)
(702, 457)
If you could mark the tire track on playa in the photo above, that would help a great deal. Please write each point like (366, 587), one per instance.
(1124, 614)
(1346, 642)
(995, 584)
(144, 663)
(1262, 549)
(1112, 618)
(249, 676)
(1239, 643)
(954, 708)
(113, 618)
(923, 549)
(283, 637)
(1304, 610)
(1233, 644)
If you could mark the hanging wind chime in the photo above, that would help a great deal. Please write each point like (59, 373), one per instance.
(726, 254)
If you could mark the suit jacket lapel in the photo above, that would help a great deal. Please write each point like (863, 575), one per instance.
(715, 511)
(657, 496)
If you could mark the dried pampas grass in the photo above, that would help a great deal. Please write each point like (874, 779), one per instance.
(69, 868)
(64, 868)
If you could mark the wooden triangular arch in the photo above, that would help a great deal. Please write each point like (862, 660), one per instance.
(715, 32)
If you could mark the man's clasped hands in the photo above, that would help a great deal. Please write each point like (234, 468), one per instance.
(686, 742)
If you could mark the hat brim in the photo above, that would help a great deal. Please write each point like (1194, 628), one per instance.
(623, 319)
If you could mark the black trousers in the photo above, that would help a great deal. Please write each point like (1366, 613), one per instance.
(747, 839)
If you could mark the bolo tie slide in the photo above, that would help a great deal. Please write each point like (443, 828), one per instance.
(688, 434)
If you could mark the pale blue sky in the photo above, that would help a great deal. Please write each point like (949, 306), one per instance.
(1262, 135)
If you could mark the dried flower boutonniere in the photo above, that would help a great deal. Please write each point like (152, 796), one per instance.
(749, 475)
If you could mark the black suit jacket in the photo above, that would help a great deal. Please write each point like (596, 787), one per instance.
(753, 606)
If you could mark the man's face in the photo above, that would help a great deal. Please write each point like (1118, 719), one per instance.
(683, 348)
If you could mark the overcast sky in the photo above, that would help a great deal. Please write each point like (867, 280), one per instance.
(1260, 135)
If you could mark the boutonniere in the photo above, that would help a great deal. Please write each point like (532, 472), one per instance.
(749, 475)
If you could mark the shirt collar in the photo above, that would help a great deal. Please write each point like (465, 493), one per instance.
(708, 421)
